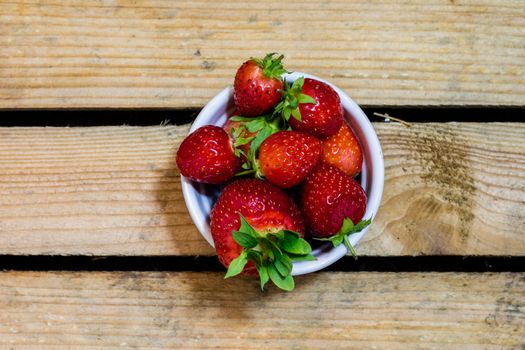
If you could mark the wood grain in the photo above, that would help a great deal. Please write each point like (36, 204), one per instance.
(202, 310)
(154, 53)
(451, 188)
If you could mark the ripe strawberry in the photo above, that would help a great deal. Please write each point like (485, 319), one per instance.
(333, 204)
(315, 107)
(257, 86)
(343, 151)
(287, 157)
(255, 221)
(207, 155)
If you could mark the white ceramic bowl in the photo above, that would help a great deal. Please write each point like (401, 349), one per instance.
(200, 198)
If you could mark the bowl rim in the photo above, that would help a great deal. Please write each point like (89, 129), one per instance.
(374, 194)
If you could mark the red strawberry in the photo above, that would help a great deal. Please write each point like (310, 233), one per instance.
(287, 157)
(255, 221)
(257, 86)
(343, 151)
(333, 204)
(315, 107)
(207, 155)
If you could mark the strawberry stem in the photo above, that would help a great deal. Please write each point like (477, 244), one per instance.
(347, 228)
(349, 246)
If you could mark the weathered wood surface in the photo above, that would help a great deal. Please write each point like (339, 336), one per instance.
(201, 310)
(153, 53)
(451, 188)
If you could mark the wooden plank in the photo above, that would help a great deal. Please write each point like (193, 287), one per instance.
(154, 53)
(201, 310)
(451, 188)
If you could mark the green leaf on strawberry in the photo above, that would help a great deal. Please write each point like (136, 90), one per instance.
(262, 126)
(347, 228)
(238, 118)
(247, 228)
(292, 97)
(272, 253)
(237, 265)
(292, 243)
(242, 141)
(272, 67)
(285, 282)
(263, 274)
(255, 125)
(252, 162)
(299, 258)
(284, 266)
(244, 239)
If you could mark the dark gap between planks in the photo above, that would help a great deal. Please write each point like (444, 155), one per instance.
(140, 117)
(210, 263)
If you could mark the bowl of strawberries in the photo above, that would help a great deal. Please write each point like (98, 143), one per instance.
(282, 173)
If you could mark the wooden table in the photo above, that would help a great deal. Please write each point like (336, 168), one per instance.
(98, 249)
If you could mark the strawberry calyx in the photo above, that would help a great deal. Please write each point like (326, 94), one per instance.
(291, 98)
(263, 127)
(272, 67)
(272, 253)
(347, 228)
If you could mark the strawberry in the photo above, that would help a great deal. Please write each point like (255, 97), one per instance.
(314, 105)
(207, 155)
(287, 157)
(343, 151)
(333, 205)
(256, 225)
(257, 86)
